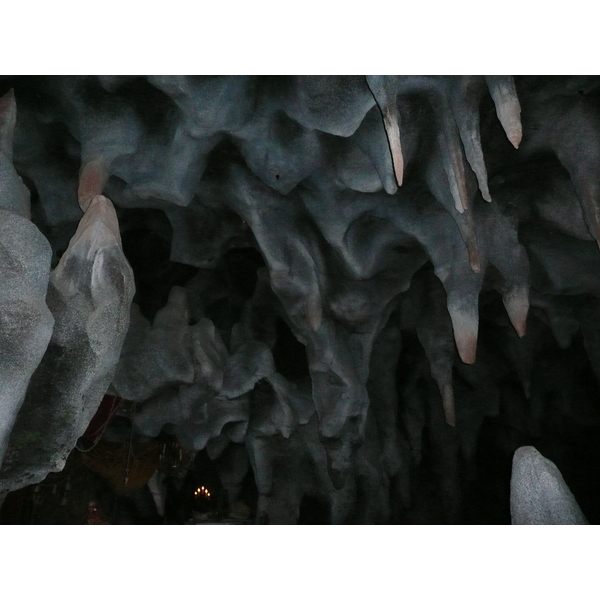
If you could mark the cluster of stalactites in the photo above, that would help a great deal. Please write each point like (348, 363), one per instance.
(303, 184)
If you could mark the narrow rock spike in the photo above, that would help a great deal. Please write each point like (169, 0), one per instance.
(391, 122)
(465, 326)
(508, 108)
(517, 307)
(467, 121)
(454, 161)
(314, 313)
(383, 89)
(92, 178)
(448, 403)
(473, 250)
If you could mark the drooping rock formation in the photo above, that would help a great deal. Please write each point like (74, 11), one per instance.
(348, 285)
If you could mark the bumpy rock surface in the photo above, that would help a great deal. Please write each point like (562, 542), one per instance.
(539, 494)
(369, 291)
(89, 295)
(24, 271)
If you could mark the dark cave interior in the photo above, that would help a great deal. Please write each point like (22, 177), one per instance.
(290, 328)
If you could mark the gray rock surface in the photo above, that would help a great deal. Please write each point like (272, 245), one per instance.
(89, 295)
(539, 494)
(26, 321)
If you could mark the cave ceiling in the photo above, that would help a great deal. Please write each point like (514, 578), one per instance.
(368, 291)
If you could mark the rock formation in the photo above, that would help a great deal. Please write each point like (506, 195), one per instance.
(341, 283)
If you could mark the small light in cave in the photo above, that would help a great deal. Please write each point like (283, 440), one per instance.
(202, 491)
